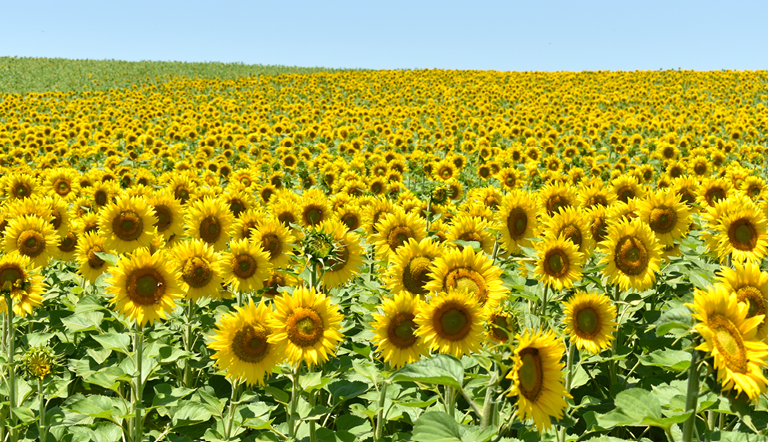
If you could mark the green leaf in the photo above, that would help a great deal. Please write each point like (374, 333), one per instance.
(93, 406)
(24, 414)
(190, 412)
(365, 369)
(278, 394)
(108, 257)
(326, 435)
(114, 341)
(673, 318)
(673, 360)
(83, 321)
(735, 436)
(638, 407)
(342, 390)
(441, 370)
(313, 381)
(166, 395)
(353, 424)
(436, 426)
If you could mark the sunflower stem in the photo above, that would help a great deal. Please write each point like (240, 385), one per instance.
(450, 399)
(187, 377)
(668, 432)
(692, 396)
(137, 403)
(568, 380)
(294, 401)
(495, 253)
(544, 305)
(232, 408)
(11, 366)
(380, 415)
(429, 211)
(486, 417)
(42, 430)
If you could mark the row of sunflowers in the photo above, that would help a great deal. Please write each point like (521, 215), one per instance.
(387, 256)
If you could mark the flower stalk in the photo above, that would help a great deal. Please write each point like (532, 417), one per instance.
(692, 396)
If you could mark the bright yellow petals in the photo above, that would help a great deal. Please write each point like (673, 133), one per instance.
(242, 344)
(632, 255)
(537, 378)
(26, 283)
(276, 239)
(169, 213)
(32, 237)
(394, 230)
(306, 326)
(395, 330)
(451, 323)
(518, 219)
(246, 266)
(467, 271)
(90, 265)
(348, 255)
(471, 228)
(199, 267)
(210, 220)
(571, 223)
(750, 285)
(666, 215)
(127, 224)
(409, 268)
(143, 287)
(559, 262)
(589, 320)
(742, 233)
(731, 339)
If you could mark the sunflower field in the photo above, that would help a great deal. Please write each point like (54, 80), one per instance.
(433, 255)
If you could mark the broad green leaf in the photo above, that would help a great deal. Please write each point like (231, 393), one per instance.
(326, 435)
(436, 426)
(108, 257)
(673, 360)
(277, 394)
(673, 318)
(353, 424)
(366, 369)
(93, 406)
(24, 414)
(441, 370)
(638, 407)
(313, 381)
(189, 412)
(83, 321)
(167, 395)
(342, 390)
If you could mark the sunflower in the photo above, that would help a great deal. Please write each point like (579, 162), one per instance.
(210, 220)
(742, 233)
(277, 279)
(571, 223)
(200, 269)
(555, 196)
(626, 187)
(169, 212)
(590, 321)
(102, 193)
(90, 266)
(348, 255)
(376, 211)
(33, 237)
(351, 215)
(27, 284)
(594, 196)
(471, 228)
(537, 378)
(246, 266)
(409, 267)
(20, 186)
(285, 211)
(275, 239)
(451, 323)
(181, 185)
(502, 324)
(632, 255)
(731, 339)
(687, 188)
(242, 344)
(666, 215)
(597, 223)
(395, 330)
(238, 201)
(244, 226)
(67, 246)
(467, 271)
(751, 287)
(619, 211)
(306, 326)
(143, 286)
(559, 262)
(518, 219)
(314, 208)
(62, 182)
(713, 190)
(394, 230)
(127, 224)
(59, 213)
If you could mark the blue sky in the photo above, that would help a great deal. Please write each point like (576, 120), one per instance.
(488, 35)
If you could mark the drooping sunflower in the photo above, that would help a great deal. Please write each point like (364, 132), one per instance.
(632, 255)
(278, 278)
(32, 237)
(27, 284)
(169, 213)
(571, 223)
(742, 233)
(199, 267)
(144, 287)
(471, 228)
(246, 266)
(502, 325)
(451, 323)
(409, 268)
(395, 330)
(597, 223)
(731, 339)
(394, 230)
(210, 220)
(347, 257)
(90, 265)
(518, 219)
(751, 287)
(127, 224)
(537, 378)
(276, 239)
(559, 262)
(306, 326)
(465, 270)
(242, 344)
(666, 215)
(590, 321)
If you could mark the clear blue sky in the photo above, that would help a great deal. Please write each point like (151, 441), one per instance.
(384, 34)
